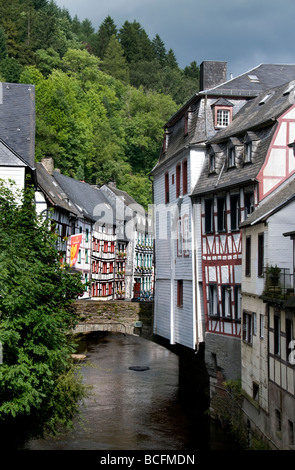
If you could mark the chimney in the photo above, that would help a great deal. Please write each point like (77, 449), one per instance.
(48, 164)
(212, 74)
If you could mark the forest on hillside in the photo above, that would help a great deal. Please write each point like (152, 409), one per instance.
(102, 97)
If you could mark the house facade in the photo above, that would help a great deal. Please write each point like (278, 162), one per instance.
(182, 274)
(268, 318)
(240, 170)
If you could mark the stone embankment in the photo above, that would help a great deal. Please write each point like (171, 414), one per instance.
(117, 316)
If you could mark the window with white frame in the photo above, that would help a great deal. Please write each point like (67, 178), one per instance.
(222, 117)
(212, 300)
(226, 301)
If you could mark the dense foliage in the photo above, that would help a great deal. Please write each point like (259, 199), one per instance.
(38, 385)
(102, 97)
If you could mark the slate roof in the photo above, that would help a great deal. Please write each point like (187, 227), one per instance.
(17, 119)
(268, 76)
(278, 199)
(88, 200)
(53, 192)
(8, 157)
(253, 117)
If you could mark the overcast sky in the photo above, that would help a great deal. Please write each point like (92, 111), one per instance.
(243, 33)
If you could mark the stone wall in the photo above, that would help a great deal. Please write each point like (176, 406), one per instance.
(124, 314)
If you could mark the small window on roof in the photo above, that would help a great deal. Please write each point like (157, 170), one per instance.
(289, 88)
(253, 78)
(265, 98)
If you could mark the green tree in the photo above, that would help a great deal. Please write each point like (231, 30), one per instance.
(171, 59)
(38, 388)
(114, 62)
(100, 40)
(159, 49)
(135, 42)
(10, 69)
(3, 48)
(146, 113)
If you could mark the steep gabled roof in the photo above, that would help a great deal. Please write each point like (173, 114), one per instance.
(87, 199)
(247, 86)
(53, 192)
(256, 80)
(253, 117)
(260, 111)
(17, 118)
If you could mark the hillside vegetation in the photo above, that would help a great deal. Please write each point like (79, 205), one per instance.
(102, 97)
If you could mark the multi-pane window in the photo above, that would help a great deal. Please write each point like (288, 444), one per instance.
(222, 117)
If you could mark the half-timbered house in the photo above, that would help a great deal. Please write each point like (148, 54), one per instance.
(268, 318)
(180, 305)
(244, 163)
(96, 254)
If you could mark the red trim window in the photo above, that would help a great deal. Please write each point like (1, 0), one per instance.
(166, 188)
(184, 177)
(223, 116)
(111, 267)
(104, 268)
(179, 293)
(112, 247)
(178, 173)
(104, 290)
(110, 289)
(105, 247)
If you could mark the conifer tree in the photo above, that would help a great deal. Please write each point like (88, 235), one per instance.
(100, 40)
(114, 62)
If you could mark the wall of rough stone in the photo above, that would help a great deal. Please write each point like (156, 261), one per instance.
(118, 312)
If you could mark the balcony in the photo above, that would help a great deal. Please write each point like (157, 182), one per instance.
(279, 283)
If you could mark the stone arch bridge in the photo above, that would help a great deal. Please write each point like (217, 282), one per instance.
(133, 318)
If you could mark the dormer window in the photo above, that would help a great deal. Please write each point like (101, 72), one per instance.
(222, 117)
(222, 113)
(251, 141)
(248, 152)
(231, 156)
(212, 167)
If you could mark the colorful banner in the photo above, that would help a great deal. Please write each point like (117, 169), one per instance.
(75, 245)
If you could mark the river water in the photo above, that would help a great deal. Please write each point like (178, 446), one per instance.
(135, 409)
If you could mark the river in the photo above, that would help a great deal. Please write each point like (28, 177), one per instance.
(135, 409)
